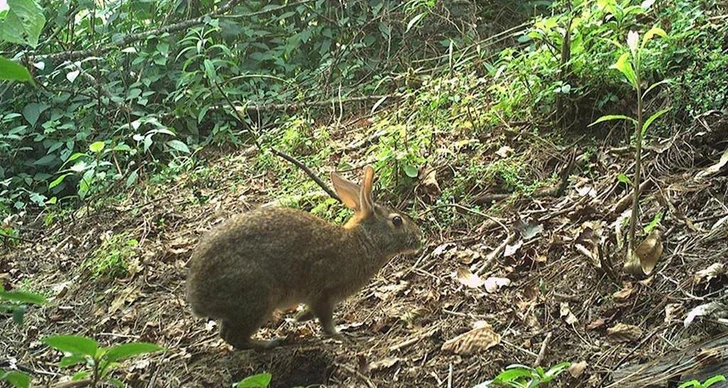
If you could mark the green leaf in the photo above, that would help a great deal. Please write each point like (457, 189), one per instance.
(97, 146)
(410, 170)
(16, 379)
(23, 23)
(261, 380)
(654, 31)
(624, 65)
(19, 314)
(613, 117)
(22, 297)
(652, 118)
(624, 179)
(32, 112)
(57, 181)
(12, 71)
(73, 344)
(120, 352)
(656, 84)
(179, 146)
(210, 70)
(73, 359)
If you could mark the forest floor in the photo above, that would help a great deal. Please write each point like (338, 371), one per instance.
(426, 320)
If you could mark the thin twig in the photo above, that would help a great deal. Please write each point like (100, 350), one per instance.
(256, 141)
(544, 346)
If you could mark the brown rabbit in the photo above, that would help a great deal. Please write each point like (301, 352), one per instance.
(276, 257)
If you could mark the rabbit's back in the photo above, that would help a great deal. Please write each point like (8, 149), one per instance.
(265, 256)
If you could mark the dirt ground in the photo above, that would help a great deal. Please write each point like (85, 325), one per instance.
(544, 297)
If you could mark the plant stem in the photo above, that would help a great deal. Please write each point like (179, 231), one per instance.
(638, 159)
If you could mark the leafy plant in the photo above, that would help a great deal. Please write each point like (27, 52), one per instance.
(630, 65)
(111, 259)
(99, 361)
(16, 303)
(707, 383)
(261, 380)
(522, 376)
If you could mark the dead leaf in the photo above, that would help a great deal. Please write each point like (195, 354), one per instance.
(383, 364)
(493, 284)
(715, 270)
(566, 314)
(623, 294)
(429, 182)
(577, 369)
(510, 250)
(649, 251)
(623, 332)
(466, 256)
(712, 170)
(468, 278)
(596, 324)
(504, 152)
(481, 338)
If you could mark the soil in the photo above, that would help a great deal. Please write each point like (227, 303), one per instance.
(545, 298)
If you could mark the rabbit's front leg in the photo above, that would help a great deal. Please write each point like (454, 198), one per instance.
(323, 309)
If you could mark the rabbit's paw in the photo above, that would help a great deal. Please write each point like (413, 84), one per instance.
(259, 345)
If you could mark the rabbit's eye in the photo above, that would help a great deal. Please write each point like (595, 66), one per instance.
(397, 221)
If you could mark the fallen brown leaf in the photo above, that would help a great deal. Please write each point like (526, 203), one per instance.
(482, 337)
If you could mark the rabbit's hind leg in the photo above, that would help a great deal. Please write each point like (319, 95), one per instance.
(237, 331)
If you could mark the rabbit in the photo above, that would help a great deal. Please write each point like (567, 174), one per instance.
(277, 257)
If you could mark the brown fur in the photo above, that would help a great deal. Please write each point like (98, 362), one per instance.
(276, 257)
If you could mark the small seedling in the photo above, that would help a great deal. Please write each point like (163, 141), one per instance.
(522, 376)
(707, 383)
(100, 362)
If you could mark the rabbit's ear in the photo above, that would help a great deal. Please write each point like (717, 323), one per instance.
(365, 195)
(348, 191)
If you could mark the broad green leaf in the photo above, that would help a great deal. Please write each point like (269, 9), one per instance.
(15, 378)
(652, 118)
(614, 117)
(261, 380)
(654, 31)
(120, 352)
(73, 344)
(97, 146)
(410, 170)
(73, 359)
(12, 71)
(32, 112)
(179, 146)
(22, 297)
(45, 161)
(23, 22)
(624, 65)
